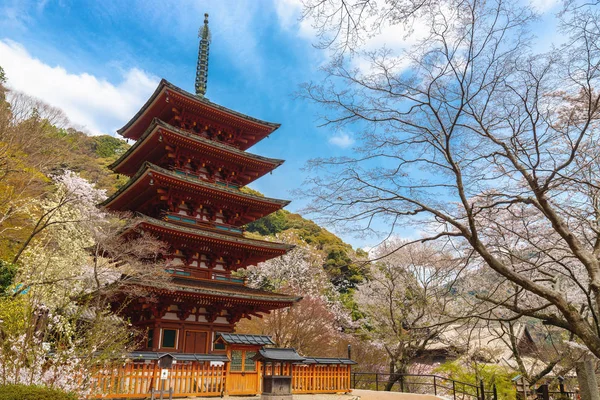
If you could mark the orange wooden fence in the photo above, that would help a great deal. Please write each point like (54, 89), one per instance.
(320, 378)
(135, 380)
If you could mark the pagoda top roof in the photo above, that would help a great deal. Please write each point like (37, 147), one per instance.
(167, 89)
(222, 289)
(225, 150)
(203, 233)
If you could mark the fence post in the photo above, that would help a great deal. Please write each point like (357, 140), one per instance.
(482, 389)
(495, 392)
(377, 381)
(544, 391)
(434, 387)
(402, 383)
(454, 389)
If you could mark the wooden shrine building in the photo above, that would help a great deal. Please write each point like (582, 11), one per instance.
(186, 171)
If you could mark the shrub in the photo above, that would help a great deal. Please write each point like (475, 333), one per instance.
(24, 392)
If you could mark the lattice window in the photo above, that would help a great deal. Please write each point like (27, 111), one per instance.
(250, 364)
(236, 360)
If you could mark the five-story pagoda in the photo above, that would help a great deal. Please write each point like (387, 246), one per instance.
(186, 169)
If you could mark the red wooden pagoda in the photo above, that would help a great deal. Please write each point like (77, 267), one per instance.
(186, 170)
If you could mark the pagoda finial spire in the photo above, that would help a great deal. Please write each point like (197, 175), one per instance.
(202, 66)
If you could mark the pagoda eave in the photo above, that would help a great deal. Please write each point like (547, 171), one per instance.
(208, 293)
(154, 143)
(167, 95)
(146, 184)
(202, 236)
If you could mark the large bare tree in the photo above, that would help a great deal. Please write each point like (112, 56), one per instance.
(483, 144)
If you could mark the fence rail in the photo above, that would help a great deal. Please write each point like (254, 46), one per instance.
(317, 378)
(136, 380)
(421, 384)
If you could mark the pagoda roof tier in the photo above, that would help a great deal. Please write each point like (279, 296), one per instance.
(248, 251)
(239, 300)
(235, 293)
(153, 146)
(152, 181)
(168, 100)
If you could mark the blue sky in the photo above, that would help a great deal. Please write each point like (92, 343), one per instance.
(100, 60)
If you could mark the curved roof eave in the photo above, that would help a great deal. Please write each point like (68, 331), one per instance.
(164, 84)
(215, 235)
(149, 166)
(159, 123)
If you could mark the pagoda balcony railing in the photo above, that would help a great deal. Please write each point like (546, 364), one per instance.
(231, 279)
(189, 220)
(199, 176)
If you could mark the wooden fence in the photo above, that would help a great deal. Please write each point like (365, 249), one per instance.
(320, 378)
(135, 380)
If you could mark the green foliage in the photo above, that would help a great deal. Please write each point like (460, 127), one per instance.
(248, 190)
(15, 315)
(271, 224)
(8, 271)
(24, 392)
(343, 272)
(2, 76)
(106, 146)
(474, 372)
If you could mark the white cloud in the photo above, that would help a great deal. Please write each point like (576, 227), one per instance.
(342, 140)
(289, 13)
(91, 103)
(543, 6)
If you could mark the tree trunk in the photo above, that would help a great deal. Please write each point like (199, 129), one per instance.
(395, 375)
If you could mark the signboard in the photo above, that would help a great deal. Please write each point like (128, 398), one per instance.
(164, 373)
(217, 363)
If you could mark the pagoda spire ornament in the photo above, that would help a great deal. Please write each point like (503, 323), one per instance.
(202, 66)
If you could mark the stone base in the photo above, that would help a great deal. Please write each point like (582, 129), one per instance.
(272, 396)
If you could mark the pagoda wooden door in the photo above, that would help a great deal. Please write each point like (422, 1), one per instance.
(244, 377)
(195, 342)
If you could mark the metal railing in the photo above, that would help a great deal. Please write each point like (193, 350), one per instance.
(422, 384)
(542, 393)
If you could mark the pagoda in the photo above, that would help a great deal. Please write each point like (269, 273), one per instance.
(187, 168)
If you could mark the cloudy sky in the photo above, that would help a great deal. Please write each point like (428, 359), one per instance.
(100, 60)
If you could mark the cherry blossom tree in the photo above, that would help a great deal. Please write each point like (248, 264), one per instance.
(314, 325)
(57, 320)
(404, 302)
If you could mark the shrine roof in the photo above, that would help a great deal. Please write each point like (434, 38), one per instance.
(167, 88)
(198, 141)
(238, 338)
(223, 237)
(149, 169)
(224, 289)
(326, 360)
(278, 354)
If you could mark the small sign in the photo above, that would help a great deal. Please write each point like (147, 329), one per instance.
(164, 373)
(217, 363)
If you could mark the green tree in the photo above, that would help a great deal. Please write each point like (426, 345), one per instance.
(8, 272)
